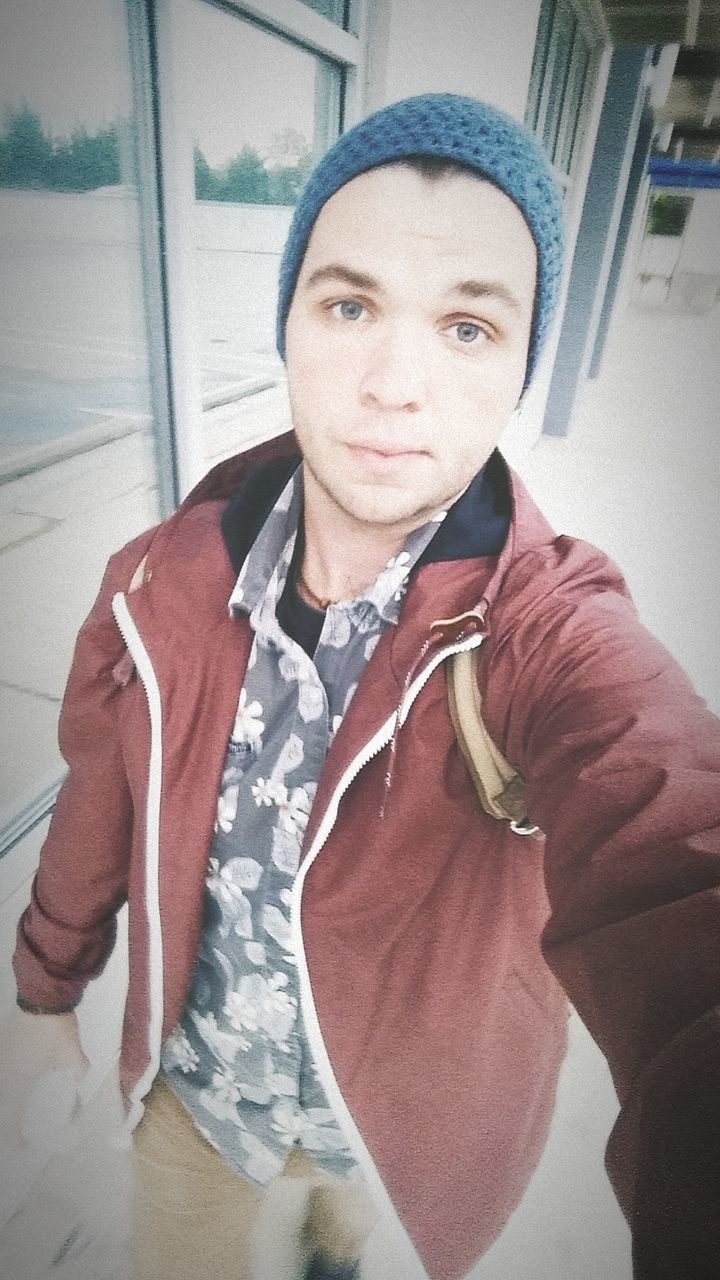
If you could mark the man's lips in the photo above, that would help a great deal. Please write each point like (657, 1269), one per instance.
(383, 452)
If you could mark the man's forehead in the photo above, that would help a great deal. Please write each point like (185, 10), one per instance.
(412, 173)
(455, 191)
(458, 222)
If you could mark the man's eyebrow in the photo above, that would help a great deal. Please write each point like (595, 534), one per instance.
(338, 272)
(346, 275)
(487, 289)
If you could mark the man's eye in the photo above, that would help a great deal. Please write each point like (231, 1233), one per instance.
(466, 331)
(348, 309)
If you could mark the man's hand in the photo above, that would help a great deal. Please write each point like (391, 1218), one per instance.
(34, 1045)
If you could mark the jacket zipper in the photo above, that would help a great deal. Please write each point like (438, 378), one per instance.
(311, 1022)
(380, 739)
(131, 636)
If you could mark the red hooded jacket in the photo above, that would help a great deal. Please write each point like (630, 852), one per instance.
(433, 944)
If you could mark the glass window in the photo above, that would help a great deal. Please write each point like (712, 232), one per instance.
(85, 388)
(558, 82)
(575, 87)
(335, 10)
(556, 76)
(259, 112)
(77, 469)
(543, 41)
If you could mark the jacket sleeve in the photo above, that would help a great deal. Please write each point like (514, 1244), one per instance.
(623, 766)
(67, 932)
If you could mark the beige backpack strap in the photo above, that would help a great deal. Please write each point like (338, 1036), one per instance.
(500, 788)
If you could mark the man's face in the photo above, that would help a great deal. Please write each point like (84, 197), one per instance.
(407, 340)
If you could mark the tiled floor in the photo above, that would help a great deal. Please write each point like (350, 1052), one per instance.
(640, 476)
(74, 1224)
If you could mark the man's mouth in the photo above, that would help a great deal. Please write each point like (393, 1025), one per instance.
(383, 452)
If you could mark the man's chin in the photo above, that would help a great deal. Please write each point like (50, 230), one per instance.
(380, 506)
(371, 503)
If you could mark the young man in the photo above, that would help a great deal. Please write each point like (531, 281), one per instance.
(335, 954)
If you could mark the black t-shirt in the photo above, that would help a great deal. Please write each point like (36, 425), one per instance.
(299, 620)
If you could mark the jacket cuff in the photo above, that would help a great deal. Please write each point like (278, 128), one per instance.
(28, 1006)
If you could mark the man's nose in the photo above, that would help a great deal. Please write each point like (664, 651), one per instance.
(395, 374)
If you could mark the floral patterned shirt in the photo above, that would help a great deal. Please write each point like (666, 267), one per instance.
(238, 1059)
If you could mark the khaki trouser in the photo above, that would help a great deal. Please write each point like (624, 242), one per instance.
(194, 1216)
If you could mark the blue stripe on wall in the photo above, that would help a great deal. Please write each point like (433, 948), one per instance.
(683, 173)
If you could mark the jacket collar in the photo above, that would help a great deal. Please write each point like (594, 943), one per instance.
(495, 517)
(476, 525)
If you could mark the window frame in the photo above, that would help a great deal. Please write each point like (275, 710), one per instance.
(586, 41)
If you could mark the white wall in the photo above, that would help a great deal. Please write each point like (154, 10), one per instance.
(468, 46)
(701, 241)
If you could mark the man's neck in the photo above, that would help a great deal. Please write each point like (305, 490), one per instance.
(341, 556)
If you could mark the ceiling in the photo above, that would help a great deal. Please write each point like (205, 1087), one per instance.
(691, 112)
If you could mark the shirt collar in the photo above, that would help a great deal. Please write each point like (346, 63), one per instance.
(266, 565)
(387, 591)
(268, 560)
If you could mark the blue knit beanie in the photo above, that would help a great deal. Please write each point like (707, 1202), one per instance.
(454, 128)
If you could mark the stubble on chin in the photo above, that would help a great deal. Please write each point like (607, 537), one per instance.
(373, 506)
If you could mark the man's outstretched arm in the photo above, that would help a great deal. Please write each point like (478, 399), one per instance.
(623, 767)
